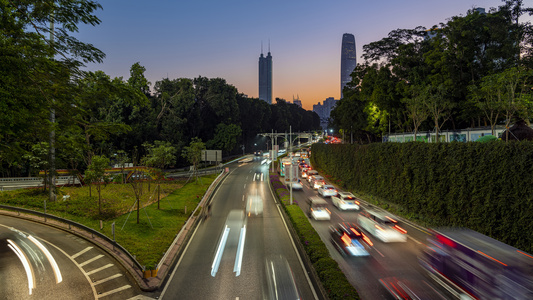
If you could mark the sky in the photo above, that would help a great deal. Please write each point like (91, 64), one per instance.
(187, 39)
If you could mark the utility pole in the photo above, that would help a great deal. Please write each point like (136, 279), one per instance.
(292, 163)
(52, 149)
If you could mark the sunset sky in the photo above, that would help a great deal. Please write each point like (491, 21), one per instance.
(187, 39)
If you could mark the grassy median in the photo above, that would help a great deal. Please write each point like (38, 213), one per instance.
(150, 238)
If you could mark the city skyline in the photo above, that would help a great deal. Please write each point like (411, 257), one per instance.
(222, 39)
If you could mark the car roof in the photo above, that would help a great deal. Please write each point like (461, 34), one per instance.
(317, 200)
(346, 228)
(346, 194)
(327, 186)
(380, 214)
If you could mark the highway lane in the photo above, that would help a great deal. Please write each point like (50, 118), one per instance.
(397, 260)
(245, 192)
(83, 270)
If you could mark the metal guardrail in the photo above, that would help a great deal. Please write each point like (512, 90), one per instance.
(78, 225)
(206, 198)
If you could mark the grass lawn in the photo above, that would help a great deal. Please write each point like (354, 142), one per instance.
(157, 228)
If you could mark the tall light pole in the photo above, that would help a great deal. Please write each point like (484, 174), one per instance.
(52, 149)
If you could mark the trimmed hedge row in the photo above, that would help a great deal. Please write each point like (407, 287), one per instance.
(487, 187)
(329, 273)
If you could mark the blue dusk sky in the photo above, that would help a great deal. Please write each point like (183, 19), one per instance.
(187, 39)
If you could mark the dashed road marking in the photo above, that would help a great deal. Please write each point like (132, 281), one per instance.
(81, 252)
(91, 260)
(99, 269)
(114, 291)
(106, 279)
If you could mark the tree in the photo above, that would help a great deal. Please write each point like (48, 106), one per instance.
(417, 111)
(122, 159)
(95, 173)
(438, 105)
(193, 153)
(159, 155)
(225, 137)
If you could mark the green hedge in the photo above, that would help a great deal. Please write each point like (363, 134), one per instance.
(487, 187)
(327, 269)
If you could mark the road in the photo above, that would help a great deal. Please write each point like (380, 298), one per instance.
(210, 268)
(388, 260)
(84, 271)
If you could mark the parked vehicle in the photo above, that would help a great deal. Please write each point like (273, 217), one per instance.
(345, 201)
(474, 266)
(318, 208)
(327, 190)
(350, 240)
(381, 225)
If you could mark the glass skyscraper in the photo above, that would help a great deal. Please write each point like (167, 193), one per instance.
(348, 59)
(265, 77)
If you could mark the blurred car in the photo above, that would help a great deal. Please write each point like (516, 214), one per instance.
(318, 208)
(381, 225)
(296, 185)
(258, 153)
(310, 174)
(318, 183)
(327, 190)
(350, 240)
(345, 201)
(280, 279)
(403, 288)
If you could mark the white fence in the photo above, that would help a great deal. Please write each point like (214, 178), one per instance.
(464, 135)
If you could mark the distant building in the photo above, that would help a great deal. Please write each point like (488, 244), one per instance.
(348, 59)
(324, 110)
(297, 101)
(265, 77)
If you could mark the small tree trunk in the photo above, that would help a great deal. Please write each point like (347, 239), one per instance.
(99, 188)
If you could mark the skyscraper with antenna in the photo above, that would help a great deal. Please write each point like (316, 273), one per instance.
(265, 76)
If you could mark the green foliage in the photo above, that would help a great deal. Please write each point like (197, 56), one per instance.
(483, 186)
(225, 137)
(160, 155)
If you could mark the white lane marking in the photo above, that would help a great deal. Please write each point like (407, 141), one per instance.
(379, 252)
(91, 260)
(81, 252)
(99, 269)
(51, 259)
(107, 279)
(294, 247)
(114, 291)
(240, 250)
(245, 186)
(419, 243)
(262, 176)
(242, 197)
(220, 250)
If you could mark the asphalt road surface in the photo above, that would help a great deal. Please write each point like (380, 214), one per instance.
(388, 260)
(40, 262)
(234, 253)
